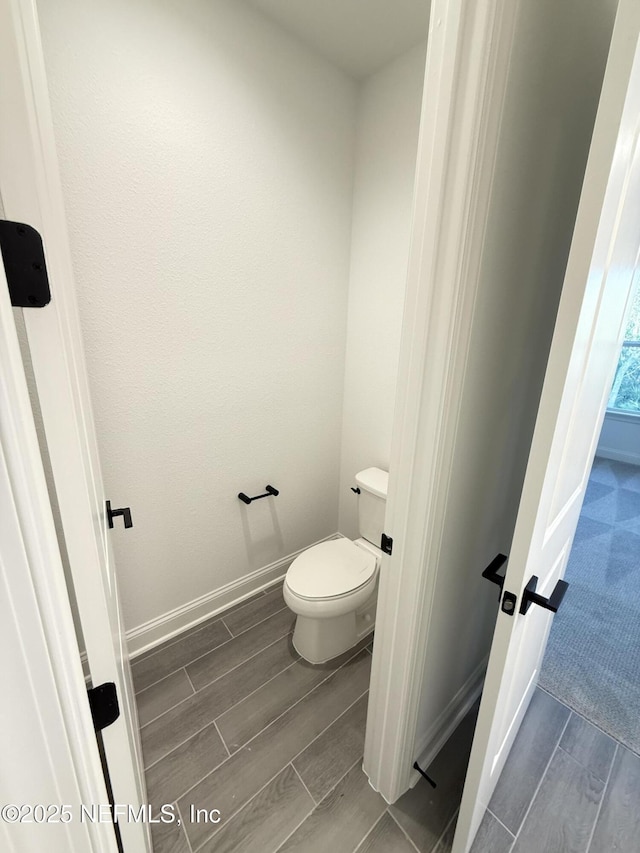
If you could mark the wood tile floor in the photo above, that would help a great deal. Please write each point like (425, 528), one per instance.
(232, 719)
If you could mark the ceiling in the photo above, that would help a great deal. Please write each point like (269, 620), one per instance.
(359, 36)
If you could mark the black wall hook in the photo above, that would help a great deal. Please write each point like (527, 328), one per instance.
(270, 491)
(124, 511)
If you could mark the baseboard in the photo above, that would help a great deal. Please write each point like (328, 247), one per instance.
(164, 627)
(448, 721)
(618, 455)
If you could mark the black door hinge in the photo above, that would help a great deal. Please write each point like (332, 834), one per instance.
(103, 701)
(24, 265)
(386, 543)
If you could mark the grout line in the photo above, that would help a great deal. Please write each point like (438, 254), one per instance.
(582, 765)
(402, 829)
(242, 662)
(454, 817)
(604, 793)
(496, 818)
(188, 698)
(214, 649)
(224, 743)
(259, 687)
(581, 716)
(295, 770)
(250, 628)
(369, 831)
(180, 637)
(214, 720)
(166, 710)
(183, 826)
(161, 651)
(298, 825)
(214, 769)
(190, 682)
(542, 777)
(209, 620)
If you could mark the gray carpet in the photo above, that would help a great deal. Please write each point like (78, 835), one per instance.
(592, 662)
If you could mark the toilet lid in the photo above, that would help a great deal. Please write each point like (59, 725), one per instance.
(330, 569)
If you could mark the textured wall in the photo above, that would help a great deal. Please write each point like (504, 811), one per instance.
(206, 160)
(557, 65)
(388, 122)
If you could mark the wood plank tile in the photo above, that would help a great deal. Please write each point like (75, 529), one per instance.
(242, 775)
(161, 696)
(342, 819)
(618, 825)
(241, 618)
(564, 810)
(215, 618)
(251, 715)
(174, 656)
(183, 721)
(169, 838)
(589, 746)
(328, 758)
(225, 657)
(492, 837)
(424, 812)
(178, 771)
(386, 837)
(533, 747)
(267, 820)
(445, 843)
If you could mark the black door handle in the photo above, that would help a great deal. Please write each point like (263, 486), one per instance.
(491, 572)
(124, 511)
(530, 596)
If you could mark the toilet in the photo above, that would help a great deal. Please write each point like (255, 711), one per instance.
(333, 586)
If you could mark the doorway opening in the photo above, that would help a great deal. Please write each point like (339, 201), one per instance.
(591, 662)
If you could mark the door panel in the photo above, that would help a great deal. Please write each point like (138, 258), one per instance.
(31, 193)
(597, 291)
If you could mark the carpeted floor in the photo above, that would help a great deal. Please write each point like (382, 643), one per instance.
(592, 662)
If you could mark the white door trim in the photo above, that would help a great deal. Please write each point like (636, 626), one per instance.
(32, 193)
(47, 742)
(469, 49)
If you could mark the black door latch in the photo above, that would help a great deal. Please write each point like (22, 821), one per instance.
(530, 596)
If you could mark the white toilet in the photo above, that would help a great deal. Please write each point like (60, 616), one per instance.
(333, 586)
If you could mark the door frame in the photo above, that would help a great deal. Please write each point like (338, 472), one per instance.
(467, 66)
(31, 192)
(468, 58)
(49, 746)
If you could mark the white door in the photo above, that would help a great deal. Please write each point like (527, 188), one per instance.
(598, 285)
(31, 193)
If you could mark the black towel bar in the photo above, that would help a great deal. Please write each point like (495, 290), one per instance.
(269, 491)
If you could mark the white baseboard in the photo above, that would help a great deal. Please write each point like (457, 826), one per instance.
(618, 455)
(448, 721)
(164, 627)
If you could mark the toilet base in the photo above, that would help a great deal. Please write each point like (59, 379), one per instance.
(321, 640)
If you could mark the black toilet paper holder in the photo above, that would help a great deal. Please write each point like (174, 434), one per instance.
(270, 492)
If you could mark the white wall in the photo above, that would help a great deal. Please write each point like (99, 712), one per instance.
(620, 438)
(556, 71)
(388, 123)
(206, 161)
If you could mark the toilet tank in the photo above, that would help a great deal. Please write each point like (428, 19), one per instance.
(372, 483)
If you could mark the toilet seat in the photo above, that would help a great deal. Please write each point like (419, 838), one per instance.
(330, 570)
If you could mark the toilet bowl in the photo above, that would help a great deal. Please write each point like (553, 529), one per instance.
(332, 586)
